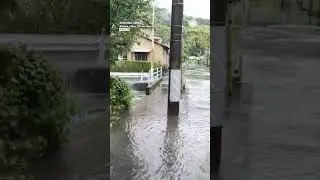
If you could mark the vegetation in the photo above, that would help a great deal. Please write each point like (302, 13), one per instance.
(34, 113)
(195, 38)
(121, 98)
(134, 66)
(53, 16)
(131, 66)
(76, 17)
(126, 11)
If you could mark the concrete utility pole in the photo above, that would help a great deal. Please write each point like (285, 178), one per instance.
(174, 88)
(229, 49)
(310, 12)
(153, 22)
(218, 76)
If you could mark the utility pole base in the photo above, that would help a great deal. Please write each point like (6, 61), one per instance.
(215, 149)
(173, 108)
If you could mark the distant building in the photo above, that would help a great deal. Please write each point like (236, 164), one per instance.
(142, 51)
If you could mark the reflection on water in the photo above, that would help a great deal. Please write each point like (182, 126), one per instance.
(151, 145)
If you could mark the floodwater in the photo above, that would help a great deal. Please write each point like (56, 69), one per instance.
(284, 131)
(147, 145)
(86, 156)
(138, 95)
(150, 145)
(279, 137)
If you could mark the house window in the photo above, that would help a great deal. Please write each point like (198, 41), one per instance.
(141, 56)
(125, 57)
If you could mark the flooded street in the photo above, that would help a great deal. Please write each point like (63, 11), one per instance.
(148, 145)
(85, 157)
(279, 137)
(271, 131)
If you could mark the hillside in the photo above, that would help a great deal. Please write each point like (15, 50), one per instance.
(195, 38)
(164, 17)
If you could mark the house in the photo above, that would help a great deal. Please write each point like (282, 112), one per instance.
(142, 51)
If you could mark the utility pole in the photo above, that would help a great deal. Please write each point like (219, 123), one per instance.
(174, 88)
(245, 7)
(229, 49)
(310, 12)
(153, 22)
(218, 76)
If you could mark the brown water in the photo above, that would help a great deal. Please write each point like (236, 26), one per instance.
(147, 145)
(150, 145)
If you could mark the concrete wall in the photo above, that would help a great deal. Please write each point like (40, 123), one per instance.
(70, 61)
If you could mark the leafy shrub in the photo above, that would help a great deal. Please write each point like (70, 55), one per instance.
(121, 97)
(131, 66)
(34, 112)
(164, 66)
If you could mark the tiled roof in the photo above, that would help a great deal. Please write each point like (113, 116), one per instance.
(161, 44)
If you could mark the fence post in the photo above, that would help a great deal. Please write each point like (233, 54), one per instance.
(161, 72)
(150, 77)
(158, 73)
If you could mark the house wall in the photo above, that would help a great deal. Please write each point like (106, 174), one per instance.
(159, 55)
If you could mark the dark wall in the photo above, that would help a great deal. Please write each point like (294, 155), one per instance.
(80, 70)
(70, 61)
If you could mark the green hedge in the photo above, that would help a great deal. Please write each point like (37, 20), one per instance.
(34, 111)
(131, 66)
(121, 98)
(134, 66)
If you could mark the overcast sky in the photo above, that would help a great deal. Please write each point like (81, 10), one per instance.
(196, 8)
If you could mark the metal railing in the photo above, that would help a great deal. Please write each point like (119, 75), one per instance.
(153, 75)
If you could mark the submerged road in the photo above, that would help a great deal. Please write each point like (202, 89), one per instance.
(271, 131)
(279, 138)
(149, 145)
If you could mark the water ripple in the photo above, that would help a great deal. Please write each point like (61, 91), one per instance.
(158, 147)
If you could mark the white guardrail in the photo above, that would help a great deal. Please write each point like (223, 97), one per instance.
(153, 75)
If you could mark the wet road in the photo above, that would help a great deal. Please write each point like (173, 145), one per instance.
(274, 136)
(280, 134)
(151, 146)
(86, 156)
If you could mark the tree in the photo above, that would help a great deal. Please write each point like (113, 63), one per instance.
(196, 40)
(8, 5)
(163, 31)
(126, 11)
(55, 16)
